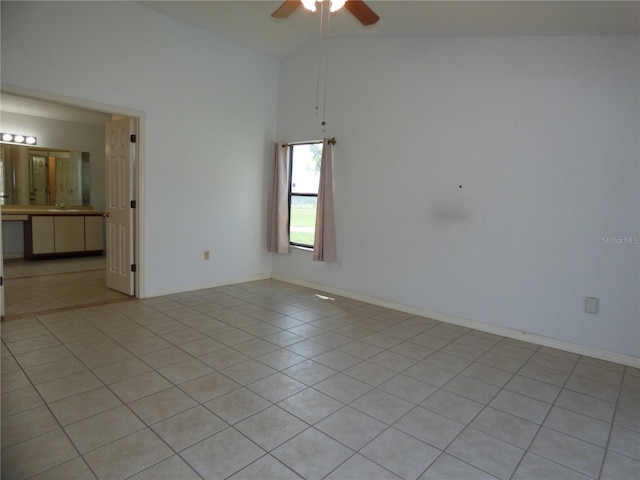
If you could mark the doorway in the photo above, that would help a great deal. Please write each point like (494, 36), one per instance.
(52, 285)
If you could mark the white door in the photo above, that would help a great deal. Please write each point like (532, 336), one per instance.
(120, 169)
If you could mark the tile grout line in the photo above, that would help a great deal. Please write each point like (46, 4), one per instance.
(311, 358)
(124, 404)
(552, 405)
(612, 424)
(485, 406)
(45, 403)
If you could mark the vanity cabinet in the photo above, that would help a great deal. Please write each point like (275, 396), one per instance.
(47, 236)
(94, 233)
(68, 233)
(41, 235)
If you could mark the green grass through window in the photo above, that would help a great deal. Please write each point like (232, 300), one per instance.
(303, 221)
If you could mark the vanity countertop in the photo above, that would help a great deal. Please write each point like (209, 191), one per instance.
(10, 211)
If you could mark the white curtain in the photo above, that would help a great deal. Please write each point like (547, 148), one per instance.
(278, 222)
(324, 247)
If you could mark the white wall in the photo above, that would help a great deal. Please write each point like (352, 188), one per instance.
(210, 111)
(542, 135)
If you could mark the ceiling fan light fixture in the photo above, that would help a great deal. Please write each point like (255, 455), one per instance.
(309, 5)
(337, 5)
(358, 8)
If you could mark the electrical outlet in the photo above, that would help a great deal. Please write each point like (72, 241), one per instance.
(591, 305)
(206, 254)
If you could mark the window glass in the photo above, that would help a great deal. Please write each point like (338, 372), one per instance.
(302, 220)
(305, 168)
(303, 187)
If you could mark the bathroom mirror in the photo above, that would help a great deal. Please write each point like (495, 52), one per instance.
(42, 176)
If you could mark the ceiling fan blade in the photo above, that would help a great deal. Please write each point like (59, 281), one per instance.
(286, 9)
(362, 12)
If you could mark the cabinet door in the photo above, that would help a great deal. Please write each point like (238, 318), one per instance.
(94, 233)
(42, 235)
(69, 232)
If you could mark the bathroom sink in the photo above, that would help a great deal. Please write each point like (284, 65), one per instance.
(65, 210)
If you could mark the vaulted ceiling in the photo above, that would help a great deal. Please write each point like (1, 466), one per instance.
(249, 23)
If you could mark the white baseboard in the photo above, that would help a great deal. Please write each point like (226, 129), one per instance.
(202, 286)
(474, 324)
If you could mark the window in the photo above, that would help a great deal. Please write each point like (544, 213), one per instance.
(304, 179)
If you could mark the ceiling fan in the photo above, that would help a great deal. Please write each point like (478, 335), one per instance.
(357, 8)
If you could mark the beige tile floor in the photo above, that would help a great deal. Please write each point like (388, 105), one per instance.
(50, 285)
(266, 380)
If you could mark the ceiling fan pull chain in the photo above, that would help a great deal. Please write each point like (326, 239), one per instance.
(319, 57)
(326, 70)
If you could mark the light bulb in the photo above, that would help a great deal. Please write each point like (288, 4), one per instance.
(7, 137)
(337, 5)
(309, 5)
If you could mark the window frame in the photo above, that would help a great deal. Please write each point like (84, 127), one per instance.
(291, 194)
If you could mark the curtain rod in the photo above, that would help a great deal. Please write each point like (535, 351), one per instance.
(331, 141)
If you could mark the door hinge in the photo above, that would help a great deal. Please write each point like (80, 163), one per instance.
(133, 267)
(1, 281)
(133, 204)
(133, 138)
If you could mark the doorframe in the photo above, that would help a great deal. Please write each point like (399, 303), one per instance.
(139, 191)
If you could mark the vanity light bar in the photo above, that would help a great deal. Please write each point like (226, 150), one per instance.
(17, 138)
